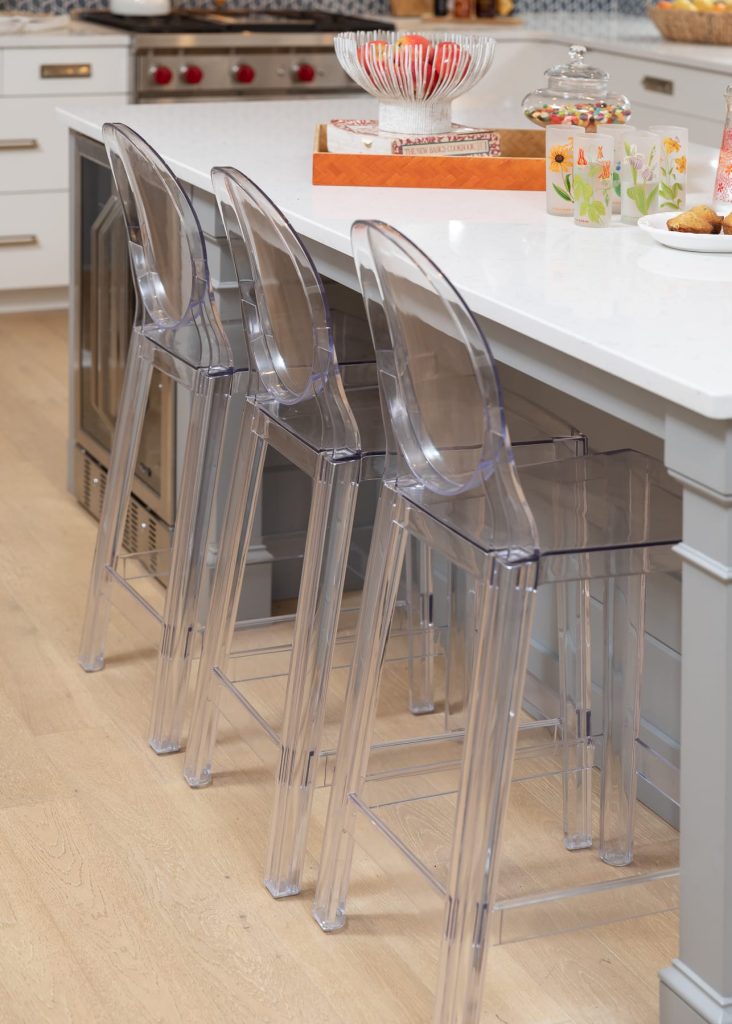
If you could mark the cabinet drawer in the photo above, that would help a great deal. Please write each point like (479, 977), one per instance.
(33, 146)
(76, 71)
(668, 88)
(703, 131)
(34, 241)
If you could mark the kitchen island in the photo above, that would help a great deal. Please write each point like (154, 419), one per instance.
(607, 317)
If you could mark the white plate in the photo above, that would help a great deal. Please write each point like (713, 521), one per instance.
(655, 225)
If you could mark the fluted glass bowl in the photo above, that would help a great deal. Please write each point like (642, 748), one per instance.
(414, 77)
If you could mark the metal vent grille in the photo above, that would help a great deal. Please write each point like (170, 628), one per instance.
(145, 534)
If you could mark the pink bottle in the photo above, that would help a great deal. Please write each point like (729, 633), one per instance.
(723, 183)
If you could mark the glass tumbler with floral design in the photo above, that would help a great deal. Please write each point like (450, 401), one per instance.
(618, 133)
(559, 162)
(672, 158)
(639, 176)
(593, 180)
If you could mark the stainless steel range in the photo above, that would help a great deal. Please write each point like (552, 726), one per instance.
(193, 54)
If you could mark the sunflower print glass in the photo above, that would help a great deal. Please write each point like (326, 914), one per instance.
(673, 152)
(559, 142)
(593, 180)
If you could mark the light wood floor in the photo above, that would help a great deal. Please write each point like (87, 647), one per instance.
(124, 896)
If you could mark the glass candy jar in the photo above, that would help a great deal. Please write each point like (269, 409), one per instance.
(576, 94)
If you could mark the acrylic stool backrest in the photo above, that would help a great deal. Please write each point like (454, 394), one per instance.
(286, 315)
(167, 253)
(441, 395)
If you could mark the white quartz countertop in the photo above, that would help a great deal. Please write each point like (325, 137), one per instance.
(28, 31)
(613, 298)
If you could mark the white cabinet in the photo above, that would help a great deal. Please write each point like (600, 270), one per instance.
(33, 146)
(72, 71)
(34, 240)
(34, 172)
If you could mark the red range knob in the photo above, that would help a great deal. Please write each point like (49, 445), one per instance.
(161, 75)
(244, 73)
(191, 74)
(304, 72)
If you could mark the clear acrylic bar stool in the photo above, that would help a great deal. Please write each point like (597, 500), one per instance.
(299, 406)
(177, 331)
(452, 482)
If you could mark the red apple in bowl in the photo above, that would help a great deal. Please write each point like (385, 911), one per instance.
(413, 41)
(370, 55)
(413, 53)
(446, 59)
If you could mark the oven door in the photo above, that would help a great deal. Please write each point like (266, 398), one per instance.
(104, 304)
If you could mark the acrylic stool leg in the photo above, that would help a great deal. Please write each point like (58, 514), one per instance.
(377, 608)
(575, 695)
(180, 616)
(123, 459)
(421, 635)
(504, 616)
(316, 622)
(236, 533)
(625, 638)
(460, 646)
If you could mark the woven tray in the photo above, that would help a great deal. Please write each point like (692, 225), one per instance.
(521, 167)
(693, 26)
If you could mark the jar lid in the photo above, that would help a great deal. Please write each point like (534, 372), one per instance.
(575, 73)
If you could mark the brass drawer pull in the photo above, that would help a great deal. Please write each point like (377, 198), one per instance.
(66, 70)
(18, 144)
(664, 85)
(8, 240)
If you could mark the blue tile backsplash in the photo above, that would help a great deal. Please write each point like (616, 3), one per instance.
(346, 6)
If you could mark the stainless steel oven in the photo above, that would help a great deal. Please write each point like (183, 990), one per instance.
(205, 54)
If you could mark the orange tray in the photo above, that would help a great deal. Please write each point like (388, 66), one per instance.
(521, 167)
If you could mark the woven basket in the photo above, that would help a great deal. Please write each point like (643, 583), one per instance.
(693, 26)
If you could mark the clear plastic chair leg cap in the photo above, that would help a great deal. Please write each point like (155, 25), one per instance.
(93, 665)
(279, 890)
(615, 858)
(165, 747)
(330, 925)
(578, 842)
(198, 781)
(422, 709)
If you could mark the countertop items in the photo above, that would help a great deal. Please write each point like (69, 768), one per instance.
(415, 78)
(694, 21)
(576, 94)
(514, 265)
(632, 36)
(655, 225)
